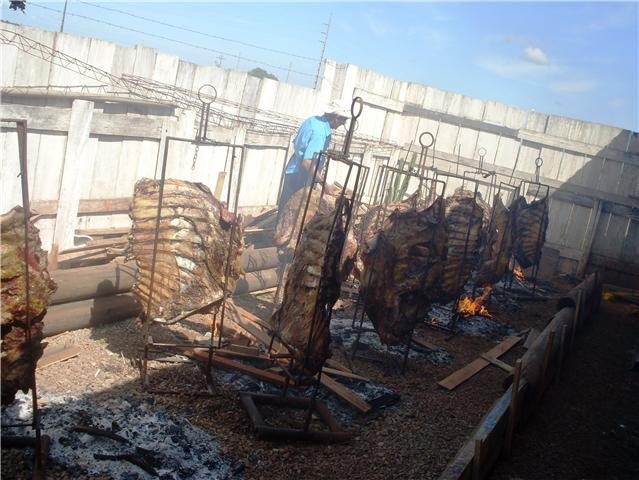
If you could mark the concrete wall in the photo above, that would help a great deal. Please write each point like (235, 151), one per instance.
(590, 167)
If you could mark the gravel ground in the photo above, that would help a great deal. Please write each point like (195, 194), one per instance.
(587, 425)
(413, 439)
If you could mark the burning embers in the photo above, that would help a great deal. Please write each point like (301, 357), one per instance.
(469, 306)
(519, 273)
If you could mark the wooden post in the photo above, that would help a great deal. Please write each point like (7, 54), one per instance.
(477, 459)
(562, 341)
(590, 237)
(514, 398)
(547, 357)
(73, 174)
(575, 323)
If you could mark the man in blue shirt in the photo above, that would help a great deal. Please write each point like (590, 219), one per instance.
(313, 136)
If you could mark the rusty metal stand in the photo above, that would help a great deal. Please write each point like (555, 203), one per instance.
(201, 139)
(476, 177)
(40, 442)
(344, 206)
(525, 188)
(426, 190)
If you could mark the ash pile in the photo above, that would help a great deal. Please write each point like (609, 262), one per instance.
(344, 335)
(124, 438)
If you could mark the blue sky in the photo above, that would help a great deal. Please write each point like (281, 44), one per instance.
(578, 59)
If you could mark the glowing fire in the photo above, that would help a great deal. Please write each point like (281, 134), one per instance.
(519, 273)
(475, 306)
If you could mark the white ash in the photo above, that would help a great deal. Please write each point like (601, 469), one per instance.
(343, 333)
(178, 450)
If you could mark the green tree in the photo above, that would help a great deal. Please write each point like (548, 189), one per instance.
(261, 73)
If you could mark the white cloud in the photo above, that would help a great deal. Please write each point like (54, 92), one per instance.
(536, 55)
(506, 67)
(573, 86)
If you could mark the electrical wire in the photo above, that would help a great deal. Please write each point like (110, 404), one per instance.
(186, 29)
(174, 40)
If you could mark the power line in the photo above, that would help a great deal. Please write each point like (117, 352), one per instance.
(186, 29)
(169, 39)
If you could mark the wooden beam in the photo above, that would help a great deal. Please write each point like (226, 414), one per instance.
(342, 373)
(57, 120)
(86, 206)
(345, 394)
(73, 173)
(498, 363)
(58, 356)
(590, 235)
(460, 376)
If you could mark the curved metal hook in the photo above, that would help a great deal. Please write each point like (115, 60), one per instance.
(360, 102)
(421, 139)
(200, 93)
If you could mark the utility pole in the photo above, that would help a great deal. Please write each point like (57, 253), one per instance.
(323, 42)
(237, 64)
(290, 64)
(64, 14)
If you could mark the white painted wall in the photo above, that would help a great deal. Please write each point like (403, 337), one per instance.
(586, 159)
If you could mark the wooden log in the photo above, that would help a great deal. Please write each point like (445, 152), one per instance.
(118, 277)
(536, 359)
(256, 281)
(491, 428)
(89, 313)
(514, 398)
(548, 354)
(589, 286)
(575, 320)
(93, 282)
(256, 259)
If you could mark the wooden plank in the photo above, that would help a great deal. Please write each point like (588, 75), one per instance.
(345, 394)
(75, 166)
(498, 363)
(229, 364)
(341, 373)
(57, 120)
(102, 232)
(460, 376)
(86, 206)
(97, 244)
(589, 240)
(337, 365)
(58, 356)
(249, 322)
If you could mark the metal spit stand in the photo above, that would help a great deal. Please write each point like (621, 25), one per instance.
(41, 442)
(428, 187)
(525, 188)
(201, 139)
(475, 177)
(344, 207)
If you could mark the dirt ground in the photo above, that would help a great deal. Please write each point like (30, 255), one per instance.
(587, 425)
(412, 439)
